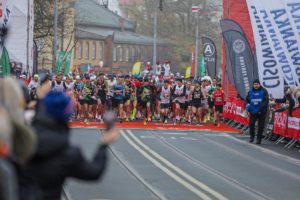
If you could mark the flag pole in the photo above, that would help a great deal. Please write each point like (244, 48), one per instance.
(197, 50)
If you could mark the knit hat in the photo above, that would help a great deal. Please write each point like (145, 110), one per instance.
(256, 81)
(58, 105)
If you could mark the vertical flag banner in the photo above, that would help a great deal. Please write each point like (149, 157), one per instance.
(136, 68)
(67, 62)
(210, 56)
(193, 62)
(201, 67)
(60, 60)
(283, 37)
(7, 6)
(188, 72)
(270, 72)
(241, 59)
(5, 63)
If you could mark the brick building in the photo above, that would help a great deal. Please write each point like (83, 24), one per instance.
(102, 35)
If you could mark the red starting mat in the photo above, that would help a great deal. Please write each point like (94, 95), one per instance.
(158, 126)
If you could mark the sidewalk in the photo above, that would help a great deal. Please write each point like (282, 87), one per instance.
(158, 126)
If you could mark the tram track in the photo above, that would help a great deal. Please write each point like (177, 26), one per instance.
(248, 190)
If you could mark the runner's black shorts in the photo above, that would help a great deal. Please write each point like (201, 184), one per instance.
(102, 99)
(144, 103)
(219, 108)
(182, 105)
(210, 102)
(126, 98)
(117, 102)
(165, 106)
(196, 104)
(87, 101)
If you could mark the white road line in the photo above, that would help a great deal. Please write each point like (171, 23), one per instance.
(166, 170)
(267, 151)
(178, 170)
(254, 160)
(189, 138)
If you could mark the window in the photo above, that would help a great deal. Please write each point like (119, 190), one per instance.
(127, 54)
(79, 50)
(94, 48)
(115, 54)
(133, 53)
(86, 52)
(121, 53)
(101, 51)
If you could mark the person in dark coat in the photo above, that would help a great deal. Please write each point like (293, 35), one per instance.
(258, 98)
(56, 159)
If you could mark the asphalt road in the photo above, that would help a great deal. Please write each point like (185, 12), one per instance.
(189, 165)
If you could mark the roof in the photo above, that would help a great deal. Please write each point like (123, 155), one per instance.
(120, 37)
(89, 12)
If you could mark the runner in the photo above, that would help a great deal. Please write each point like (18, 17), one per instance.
(197, 97)
(218, 97)
(145, 94)
(118, 98)
(188, 101)
(128, 91)
(87, 99)
(165, 99)
(101, 97)
(58, 84)
(179, 92)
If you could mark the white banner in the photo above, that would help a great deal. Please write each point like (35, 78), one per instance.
(278, 20)
(293, 10)
(270, 73)
(7, 6)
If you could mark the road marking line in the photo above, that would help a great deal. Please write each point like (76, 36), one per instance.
(178, 170)
(267, 151)
(254, 160)
(166, 170)
(189, 138)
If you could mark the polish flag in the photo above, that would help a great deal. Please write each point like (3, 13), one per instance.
(195, 8)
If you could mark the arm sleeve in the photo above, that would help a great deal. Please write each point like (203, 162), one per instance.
(88, 170)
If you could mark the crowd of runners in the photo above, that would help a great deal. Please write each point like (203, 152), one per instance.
(149, 98)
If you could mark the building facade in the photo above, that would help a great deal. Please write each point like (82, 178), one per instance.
(108, 42)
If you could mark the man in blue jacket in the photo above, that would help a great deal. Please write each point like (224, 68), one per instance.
(258, 98)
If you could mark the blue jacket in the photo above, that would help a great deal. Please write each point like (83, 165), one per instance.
(258, 100)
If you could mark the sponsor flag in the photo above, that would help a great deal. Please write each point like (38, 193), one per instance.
(188, 72)
(210, 56)
(67, 62)
(270, 72)
(193, 62)
(136, 68)
(201, 67)
(195, 9)
(60, 61)
(6, 11)
(241, 59)
(284, 38)
(5, 63)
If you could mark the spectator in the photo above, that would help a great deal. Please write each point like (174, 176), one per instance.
(55, 159)
(258, 98)
(8, 180)
(12, 100)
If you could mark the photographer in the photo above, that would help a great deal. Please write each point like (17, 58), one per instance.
(56, 159)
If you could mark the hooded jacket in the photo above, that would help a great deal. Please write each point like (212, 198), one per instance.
(258, 100)
(55, 160)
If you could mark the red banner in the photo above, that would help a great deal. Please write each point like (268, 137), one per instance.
(227, 108)
(240, 108)
(294, 125)
(280, 122)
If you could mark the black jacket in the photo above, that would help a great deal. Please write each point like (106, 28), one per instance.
(55, 160)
